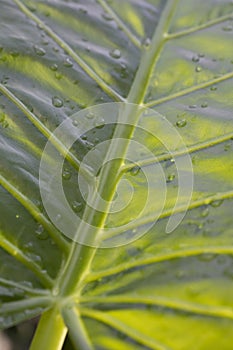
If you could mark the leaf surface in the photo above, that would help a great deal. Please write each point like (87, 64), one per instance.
(163, 291)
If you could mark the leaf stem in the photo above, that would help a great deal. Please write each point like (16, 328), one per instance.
(51, 332)
(79, 263)
(142, 79)
(77, 330)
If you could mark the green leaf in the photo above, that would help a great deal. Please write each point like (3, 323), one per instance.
(163, 291)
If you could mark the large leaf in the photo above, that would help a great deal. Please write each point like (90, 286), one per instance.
(164, 291)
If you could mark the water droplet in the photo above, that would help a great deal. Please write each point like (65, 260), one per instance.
(89, 115)
(228, 28)
(201, 54)
(115, 53)
(195, 59)
(34, 257)
(57, 102)
(54, 67)
(193, 106)
(99, 123)
(41, 233)
(146, 43)
(39, 51)
(14, 54)
(66, 174)
(75, 123)
(227, 147)
(135, 170)
(39, 204)
(45, 42)
(205, 212)
(216, 203)
(58, 217)
(77, 206)
(4, 124)
(192, 291)
(40, 26)
(2, 117)
(229, 272)
(180, 274)
(213, 88)
(68, 63)
(204, 105)
(84, 137)
(17, 216)
(181, 123)
(207, 257)
(58, 75)
(107, 16)
(124, 72)
(198, 69)
(83, 10)
(171, 177)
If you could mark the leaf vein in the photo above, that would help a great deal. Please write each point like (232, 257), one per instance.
(190, 90)
(120, 23)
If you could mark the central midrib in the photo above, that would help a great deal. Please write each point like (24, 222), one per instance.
(78, 264)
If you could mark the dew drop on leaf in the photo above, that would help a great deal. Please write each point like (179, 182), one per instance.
(205, 212)
(216, 203)
(83, 10)
(36, 258)
(77, 206)
(107, 16)
(181, 123)
(146, 43)
(195, 59)
(228, 28)
(115, 53)
(171, 177)
(90, 115)
(41, 233)
(66, 175)
(14, 54)
(40, 26)
(124, 73)
(135, 170)
(213, 88)
(4, 124)
(207, 257)
(68, 63)
(39, 51)
(99, 123)
(57, 102)
(198, 69)
(54, 67)
(204, 105)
